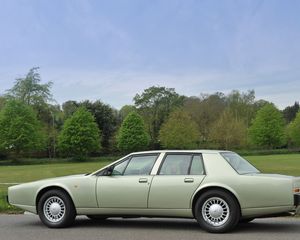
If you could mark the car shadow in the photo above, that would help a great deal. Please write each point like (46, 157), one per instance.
(257, 226)
(270, 226)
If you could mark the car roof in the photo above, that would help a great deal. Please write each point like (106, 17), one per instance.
(182, 151)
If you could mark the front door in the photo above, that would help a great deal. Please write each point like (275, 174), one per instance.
(177, 180)
(128, 186)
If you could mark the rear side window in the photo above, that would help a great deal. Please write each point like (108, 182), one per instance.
(182, 164)
(197, 165)
(176, 164)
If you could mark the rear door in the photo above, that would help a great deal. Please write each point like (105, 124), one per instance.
(177, 179)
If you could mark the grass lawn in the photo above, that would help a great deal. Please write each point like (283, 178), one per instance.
(27, 173)
(288, 164)
(283, 163)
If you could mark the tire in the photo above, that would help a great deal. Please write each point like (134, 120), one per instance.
(98, 218)
(56, 209)
(217, 211)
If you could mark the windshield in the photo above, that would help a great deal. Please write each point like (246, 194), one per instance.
(239, 164)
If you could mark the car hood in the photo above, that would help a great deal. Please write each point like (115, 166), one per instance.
(55, 179)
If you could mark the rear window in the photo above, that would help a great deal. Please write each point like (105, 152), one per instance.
(239, 164)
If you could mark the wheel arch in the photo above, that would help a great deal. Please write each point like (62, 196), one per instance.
(45, 189)
(214, 187)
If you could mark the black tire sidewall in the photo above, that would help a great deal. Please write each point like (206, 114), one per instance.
(234, 209)
(70, 212)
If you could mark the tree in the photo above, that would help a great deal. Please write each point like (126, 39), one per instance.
(179, 131)
(132, 135)
(205, 111)
(105, 116)
(229, 132)
(106, 119)
(30, 91)
(290, 112)
(241, 104)
(69, 108)
(155, 104)
(125, 110)
(294, 131)
(20, 131)
(80, 135)
(267, 129)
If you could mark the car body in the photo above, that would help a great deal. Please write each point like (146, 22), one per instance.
(218, 188)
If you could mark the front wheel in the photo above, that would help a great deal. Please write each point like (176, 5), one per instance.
(217, 211)
(56, 209)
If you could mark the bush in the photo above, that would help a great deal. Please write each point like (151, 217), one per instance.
(267, 129)
(132, 135)
(80, 135)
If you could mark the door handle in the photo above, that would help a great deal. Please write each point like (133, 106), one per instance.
(143, 180)
(189, 180)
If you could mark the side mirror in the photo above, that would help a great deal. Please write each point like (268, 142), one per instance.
(109, 170)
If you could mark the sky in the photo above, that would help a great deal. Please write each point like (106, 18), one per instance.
(111, 50)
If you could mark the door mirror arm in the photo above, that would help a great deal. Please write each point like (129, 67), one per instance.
(109, 170)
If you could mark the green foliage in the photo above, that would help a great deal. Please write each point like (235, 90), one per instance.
(125, 110)
(294, 131)
(205, 111)
(29, 90)
(179, 131)
(105, 117)
(80, 135)
(241, 105)
(267, 129)
(155, 105)
(290, 112)
(20, 131)
(132, 135)
(229, 132)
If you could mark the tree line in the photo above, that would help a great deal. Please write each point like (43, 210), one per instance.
(33, 124)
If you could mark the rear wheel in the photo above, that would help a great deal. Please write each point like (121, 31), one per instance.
(217, 211)
(56, 209)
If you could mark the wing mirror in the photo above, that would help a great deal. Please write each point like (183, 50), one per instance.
(109, 170)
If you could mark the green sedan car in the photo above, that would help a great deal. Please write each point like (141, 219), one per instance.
(217, 188)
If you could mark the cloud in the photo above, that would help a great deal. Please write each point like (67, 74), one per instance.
(119, 87)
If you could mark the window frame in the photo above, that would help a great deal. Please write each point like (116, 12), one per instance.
(190, 164)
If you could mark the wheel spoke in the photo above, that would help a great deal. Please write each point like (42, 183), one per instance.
(54, 209)
(215, 211)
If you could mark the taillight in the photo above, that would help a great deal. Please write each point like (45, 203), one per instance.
(296, 190)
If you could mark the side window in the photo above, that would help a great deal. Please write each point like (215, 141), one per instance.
(176, 164)
(197, 165)
(140, 165)
(119, 168)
